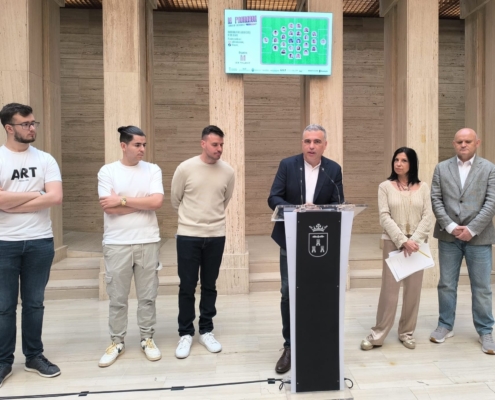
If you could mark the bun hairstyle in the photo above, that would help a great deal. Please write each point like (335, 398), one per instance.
(127, 133)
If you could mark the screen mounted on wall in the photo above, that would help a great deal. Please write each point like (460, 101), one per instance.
(282, 43)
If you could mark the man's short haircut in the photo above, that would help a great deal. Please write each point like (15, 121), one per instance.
(9, 110)
(314, 128)
(212, 129)
(127, 133)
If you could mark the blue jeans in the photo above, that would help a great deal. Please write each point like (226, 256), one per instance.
(284, 301)
(198, 256)
(30, 261)
(479, 264)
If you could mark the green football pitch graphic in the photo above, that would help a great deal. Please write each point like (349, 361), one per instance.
(294, 41)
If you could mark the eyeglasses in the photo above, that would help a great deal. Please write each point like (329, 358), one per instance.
(27, 125)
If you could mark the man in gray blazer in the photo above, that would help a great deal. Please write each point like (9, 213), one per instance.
(463, 200)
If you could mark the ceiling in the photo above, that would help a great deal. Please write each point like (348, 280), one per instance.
(352, 8)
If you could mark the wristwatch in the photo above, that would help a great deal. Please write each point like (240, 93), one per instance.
(123, 201)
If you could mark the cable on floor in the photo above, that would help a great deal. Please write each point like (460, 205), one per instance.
(270, 381)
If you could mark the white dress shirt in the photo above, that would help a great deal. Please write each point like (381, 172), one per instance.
(311, 177)
(464, 168)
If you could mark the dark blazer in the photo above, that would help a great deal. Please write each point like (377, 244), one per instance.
(472, 205)
(289, 187)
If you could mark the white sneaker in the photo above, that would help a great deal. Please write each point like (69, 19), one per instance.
(111, 354)
(149, 348)
(184, 346)
(208, 340)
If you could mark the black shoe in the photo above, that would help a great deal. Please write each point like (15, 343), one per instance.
(283, 364)
(5, 372)
(42, 366)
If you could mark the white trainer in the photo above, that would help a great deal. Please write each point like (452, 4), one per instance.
(208, 340)
(111, 353)
(184, 346)
(149, 348)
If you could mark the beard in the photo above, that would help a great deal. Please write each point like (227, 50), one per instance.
(20, 139)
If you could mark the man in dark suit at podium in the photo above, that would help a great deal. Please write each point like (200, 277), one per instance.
(308, 178)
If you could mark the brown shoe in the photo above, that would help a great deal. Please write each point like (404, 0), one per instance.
(283, 364)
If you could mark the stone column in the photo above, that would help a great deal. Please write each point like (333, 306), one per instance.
(52, 108)
(30, 74)
(127, 79)
(322, 97)
(149, 77)
(227, 111)
(127, 69)
(21, 66)
(411, 86)
(479, 19)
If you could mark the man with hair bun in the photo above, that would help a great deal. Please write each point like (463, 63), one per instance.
(130, 191)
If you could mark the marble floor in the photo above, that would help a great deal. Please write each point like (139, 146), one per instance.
(248, 326)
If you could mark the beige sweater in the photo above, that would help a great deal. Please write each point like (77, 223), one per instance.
(397, 208)
(200, 193)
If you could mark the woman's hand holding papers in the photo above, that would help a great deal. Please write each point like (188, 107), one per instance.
(410, 247)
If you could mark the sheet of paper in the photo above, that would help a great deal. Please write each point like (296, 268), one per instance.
(401, 266)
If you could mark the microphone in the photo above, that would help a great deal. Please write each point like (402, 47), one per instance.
(338, 191)
(301, 185)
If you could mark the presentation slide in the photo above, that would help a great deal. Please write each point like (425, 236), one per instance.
(283, 43)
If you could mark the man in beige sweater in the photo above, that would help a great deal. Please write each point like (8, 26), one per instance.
(201, 189)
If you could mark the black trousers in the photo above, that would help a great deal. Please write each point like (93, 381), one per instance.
(198, 257)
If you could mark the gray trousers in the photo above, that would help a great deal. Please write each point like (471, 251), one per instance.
(121, 262)
(389, 297)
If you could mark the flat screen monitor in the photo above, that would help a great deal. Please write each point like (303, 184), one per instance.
(281, 43)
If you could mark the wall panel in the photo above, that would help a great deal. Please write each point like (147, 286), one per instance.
(83, 144)
(271, 113)
(451, 91)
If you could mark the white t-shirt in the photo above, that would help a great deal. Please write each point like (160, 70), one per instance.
(26, 171)
(141, 180)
